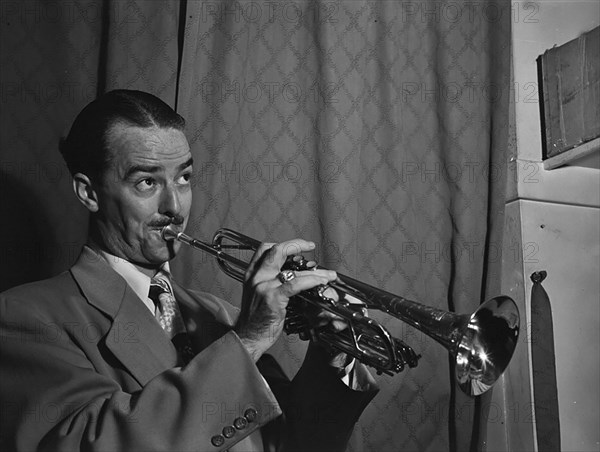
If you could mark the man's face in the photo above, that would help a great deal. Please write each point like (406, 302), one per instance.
(146, 187)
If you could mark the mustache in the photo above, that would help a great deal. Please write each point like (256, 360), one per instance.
(176, 220)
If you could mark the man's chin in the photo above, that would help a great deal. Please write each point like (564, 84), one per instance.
(161, 254)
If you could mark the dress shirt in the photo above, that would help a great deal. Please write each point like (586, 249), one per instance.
(138, 279)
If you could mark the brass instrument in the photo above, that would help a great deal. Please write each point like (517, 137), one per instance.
(481, 344)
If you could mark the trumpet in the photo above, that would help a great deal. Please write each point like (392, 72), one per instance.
(481, 343)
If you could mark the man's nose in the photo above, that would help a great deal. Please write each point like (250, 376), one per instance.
(169, 202)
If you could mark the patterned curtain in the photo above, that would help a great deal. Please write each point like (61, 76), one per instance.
(376, 129)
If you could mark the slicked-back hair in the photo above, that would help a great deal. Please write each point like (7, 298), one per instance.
(86, 148)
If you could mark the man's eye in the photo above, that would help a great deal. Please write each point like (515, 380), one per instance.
(185, 178)
(146, 184)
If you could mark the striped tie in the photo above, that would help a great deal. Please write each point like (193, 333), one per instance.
(169, 317)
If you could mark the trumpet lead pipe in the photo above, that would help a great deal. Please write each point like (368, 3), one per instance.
(169, 234)
(216, 250)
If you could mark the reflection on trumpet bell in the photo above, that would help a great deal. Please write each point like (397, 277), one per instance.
(481, 344)
(487, 345)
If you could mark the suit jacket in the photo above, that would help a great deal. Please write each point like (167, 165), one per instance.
(85, 366)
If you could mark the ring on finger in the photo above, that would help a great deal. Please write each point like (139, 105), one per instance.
(285, 276)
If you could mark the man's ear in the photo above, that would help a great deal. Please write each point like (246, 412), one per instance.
(84, 190)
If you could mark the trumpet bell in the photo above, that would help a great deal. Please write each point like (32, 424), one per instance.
(487, 345)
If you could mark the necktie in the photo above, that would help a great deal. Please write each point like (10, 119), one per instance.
(169, 317)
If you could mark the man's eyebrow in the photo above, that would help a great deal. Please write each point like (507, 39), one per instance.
(154, 168)
(142, 169)
(188, 162)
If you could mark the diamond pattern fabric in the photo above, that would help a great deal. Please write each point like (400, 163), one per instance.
(141, 47)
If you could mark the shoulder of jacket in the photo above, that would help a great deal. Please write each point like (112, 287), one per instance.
(46, 298)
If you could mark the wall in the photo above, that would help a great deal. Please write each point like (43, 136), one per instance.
(552, 224)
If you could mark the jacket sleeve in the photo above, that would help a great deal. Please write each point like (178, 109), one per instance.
(320, 411)
(54, 398)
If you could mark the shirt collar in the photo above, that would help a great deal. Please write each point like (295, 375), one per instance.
(137, 280)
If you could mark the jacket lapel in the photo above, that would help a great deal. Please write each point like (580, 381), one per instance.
(135, 337)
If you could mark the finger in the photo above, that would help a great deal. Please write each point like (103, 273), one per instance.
(267, 298)
(275, 257)
(300, 284)
(339, 325)
(256, 258)
(327, 315)
(305, 280)
(329, 275)
(270, 290)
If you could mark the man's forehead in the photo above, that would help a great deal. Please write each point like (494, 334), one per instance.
(131, 144)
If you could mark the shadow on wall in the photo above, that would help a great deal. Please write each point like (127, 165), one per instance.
(31, 247)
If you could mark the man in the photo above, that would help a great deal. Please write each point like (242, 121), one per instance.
(114, 355)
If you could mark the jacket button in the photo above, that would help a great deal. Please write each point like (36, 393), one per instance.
(240, 423)
(217, 440)
(228, 431)
(250, 414)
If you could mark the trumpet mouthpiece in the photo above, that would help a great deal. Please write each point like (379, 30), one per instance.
(168, 233)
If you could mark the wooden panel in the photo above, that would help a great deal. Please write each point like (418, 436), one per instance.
(570, 80)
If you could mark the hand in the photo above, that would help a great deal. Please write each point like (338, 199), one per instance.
(265, 297)
(319, 319)
(326, 319)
